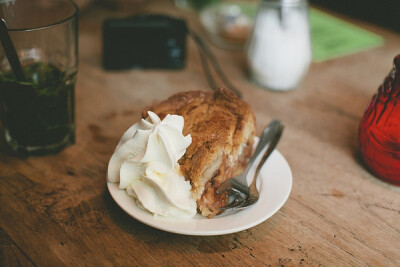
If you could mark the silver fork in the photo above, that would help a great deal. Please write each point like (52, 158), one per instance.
(239, 193)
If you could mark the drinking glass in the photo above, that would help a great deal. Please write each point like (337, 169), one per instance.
(37, 113)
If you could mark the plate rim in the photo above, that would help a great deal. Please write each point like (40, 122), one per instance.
(114, 191)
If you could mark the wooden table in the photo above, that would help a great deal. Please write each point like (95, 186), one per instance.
(56, 210)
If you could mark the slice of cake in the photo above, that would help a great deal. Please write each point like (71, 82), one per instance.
(222, 127)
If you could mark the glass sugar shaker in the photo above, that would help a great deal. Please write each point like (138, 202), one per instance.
(279, 50)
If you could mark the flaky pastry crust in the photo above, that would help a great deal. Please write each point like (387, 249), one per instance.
(222, 127)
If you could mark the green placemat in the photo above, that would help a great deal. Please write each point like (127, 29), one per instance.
(333, 38)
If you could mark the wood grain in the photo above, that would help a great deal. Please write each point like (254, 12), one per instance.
(55, 210)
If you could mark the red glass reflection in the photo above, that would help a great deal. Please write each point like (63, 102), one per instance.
(379, 133)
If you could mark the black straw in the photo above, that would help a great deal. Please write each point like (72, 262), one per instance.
(205, 55)
(10, 51)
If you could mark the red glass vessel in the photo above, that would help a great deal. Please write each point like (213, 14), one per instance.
(379, 133)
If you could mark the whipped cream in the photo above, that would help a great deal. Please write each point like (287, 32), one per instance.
(145, 163)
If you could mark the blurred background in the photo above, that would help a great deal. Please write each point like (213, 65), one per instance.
(383, 13)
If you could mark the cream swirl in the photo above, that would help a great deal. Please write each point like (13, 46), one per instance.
(145, 163)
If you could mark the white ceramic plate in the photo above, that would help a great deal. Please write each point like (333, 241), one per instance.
(274, 184)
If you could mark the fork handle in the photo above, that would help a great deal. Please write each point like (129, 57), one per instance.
(273, 137)
(265, 138)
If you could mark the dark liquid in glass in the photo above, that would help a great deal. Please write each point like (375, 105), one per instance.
(38, 114)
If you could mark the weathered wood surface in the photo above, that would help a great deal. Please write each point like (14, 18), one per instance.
(56, 210)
